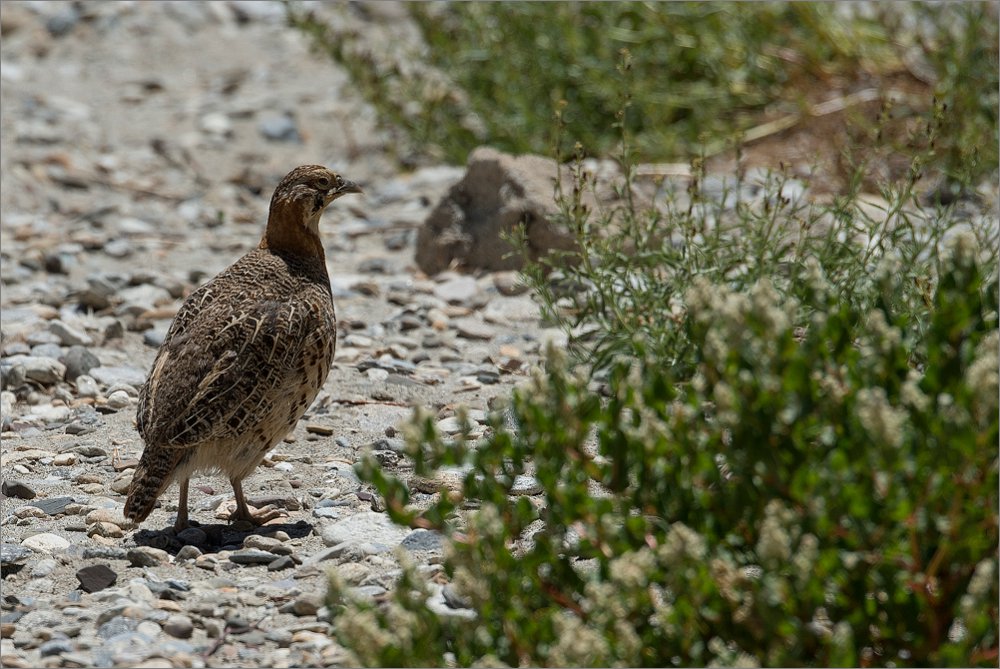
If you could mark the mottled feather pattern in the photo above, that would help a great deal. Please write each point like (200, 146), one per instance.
(245, 356)
(224, 360)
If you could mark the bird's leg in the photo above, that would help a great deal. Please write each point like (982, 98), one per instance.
(243, 512)
(182, 507)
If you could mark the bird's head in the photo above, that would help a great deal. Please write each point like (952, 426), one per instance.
(299, 201)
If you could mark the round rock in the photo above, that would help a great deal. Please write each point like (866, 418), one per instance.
(46, 542)
(365, 527)
(179, 626)
(147, 556)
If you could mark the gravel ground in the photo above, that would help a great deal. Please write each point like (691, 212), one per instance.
(127, 183)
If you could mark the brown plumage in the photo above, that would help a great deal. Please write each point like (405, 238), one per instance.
(245, 356)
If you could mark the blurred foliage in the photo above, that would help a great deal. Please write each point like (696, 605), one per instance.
(704, 72)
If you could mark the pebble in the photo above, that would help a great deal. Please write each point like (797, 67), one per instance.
(306, 605)
(96, 577)
(216, 124)
(368, 527)
(86, 385)
(352, 573)
(147, 556)
(118, 399)
(471, 328)
(13, 554)
(64, 460)
(281, 563)
(188, 552)
(449, 425)
(422, 540)
(63, 21)
(119, 248)
(45, 542)
(69, 335)
(43, 568)
(12, 488)
(179, 626)
(459, 290)
(53, 505)
(279, 128)
(103, 515)
(509, 283)
(43, 370)
(109, 376)
(267, 544)
(252, 556)
(55, 647)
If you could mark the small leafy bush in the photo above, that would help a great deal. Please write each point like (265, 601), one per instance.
(634, 263)
(809, 497)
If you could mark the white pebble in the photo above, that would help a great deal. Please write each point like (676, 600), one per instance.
(46, 542)
(118, 399)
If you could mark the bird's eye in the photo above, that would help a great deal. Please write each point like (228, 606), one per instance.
(324, 182)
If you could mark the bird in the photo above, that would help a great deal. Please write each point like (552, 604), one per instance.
(244, 357)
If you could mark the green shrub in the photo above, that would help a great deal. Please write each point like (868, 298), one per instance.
(809, 497)
(637, 262)
(491, 73)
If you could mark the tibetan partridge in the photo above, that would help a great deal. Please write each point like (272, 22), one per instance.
(245, 356)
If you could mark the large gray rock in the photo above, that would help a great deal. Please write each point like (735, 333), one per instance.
(498, 192)
(35, 368)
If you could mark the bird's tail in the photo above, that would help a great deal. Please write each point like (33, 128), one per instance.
(154, 473)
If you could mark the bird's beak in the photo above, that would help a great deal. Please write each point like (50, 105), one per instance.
(345, 188)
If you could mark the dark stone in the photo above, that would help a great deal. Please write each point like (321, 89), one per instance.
(77, 428)
(89, 450)
(96, 577)
(237, 625)
(79, 360)
(18, 489)
(53, 506)
(283, 562)
(488, 376)
(252, 556)
(498, 193)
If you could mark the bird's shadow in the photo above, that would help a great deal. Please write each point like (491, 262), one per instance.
(217, 536)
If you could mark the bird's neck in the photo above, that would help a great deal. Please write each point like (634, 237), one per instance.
(288, 233)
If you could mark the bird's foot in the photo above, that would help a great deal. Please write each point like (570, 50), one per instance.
(256, 516)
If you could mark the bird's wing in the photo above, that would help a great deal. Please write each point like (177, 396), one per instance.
(220, 367)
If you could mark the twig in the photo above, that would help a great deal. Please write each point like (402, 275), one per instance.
(366, 402)
(76, 179)
(817, 110)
